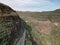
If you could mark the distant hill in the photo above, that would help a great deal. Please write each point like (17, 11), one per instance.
(57, 10)
(43, 15)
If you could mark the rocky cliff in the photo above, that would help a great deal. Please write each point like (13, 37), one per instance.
(11, 26)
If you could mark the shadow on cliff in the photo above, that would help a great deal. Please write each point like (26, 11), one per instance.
(17, 31)
(28, 34)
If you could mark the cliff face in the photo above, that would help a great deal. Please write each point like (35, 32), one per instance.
(11, 29)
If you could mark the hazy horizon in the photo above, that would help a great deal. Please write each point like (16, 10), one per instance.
(33, 5)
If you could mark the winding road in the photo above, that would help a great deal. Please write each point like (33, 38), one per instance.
(22, 39)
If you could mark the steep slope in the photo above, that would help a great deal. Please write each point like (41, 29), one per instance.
(11, 26)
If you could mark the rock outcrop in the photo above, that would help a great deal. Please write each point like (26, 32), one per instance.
(11, 26)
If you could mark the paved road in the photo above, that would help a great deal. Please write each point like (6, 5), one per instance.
(22, 39)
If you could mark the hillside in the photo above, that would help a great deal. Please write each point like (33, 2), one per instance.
(44, 27)
(11, 26)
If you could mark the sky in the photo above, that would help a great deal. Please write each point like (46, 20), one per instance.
(32, 5)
